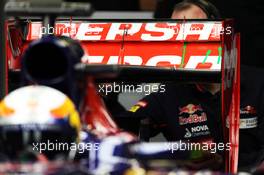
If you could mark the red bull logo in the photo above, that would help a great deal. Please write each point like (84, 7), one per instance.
(190, 109)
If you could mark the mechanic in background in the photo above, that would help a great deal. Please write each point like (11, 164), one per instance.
(185, 107)
(171, 112)
(187, 112)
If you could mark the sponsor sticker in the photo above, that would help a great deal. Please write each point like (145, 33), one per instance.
(193, 118)
(194, 112)
(248, 123)
(188, 134)
(138, 106)
(200, 128)
(248, 110)
(190, 109)
(197, 131)
(134, 108)
(245, 123)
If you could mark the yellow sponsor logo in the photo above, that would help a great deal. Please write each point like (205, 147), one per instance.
(134, 108)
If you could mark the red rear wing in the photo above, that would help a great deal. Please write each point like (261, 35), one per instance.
(188, 45)
(170, 44)
(135, 31)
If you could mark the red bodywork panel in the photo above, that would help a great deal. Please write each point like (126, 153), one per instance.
(94, 113)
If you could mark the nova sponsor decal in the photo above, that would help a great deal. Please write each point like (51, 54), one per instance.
(200, 128)
(196, 131)
(188, 133)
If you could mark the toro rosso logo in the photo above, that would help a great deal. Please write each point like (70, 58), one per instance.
(248, 110)
(191, 114)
